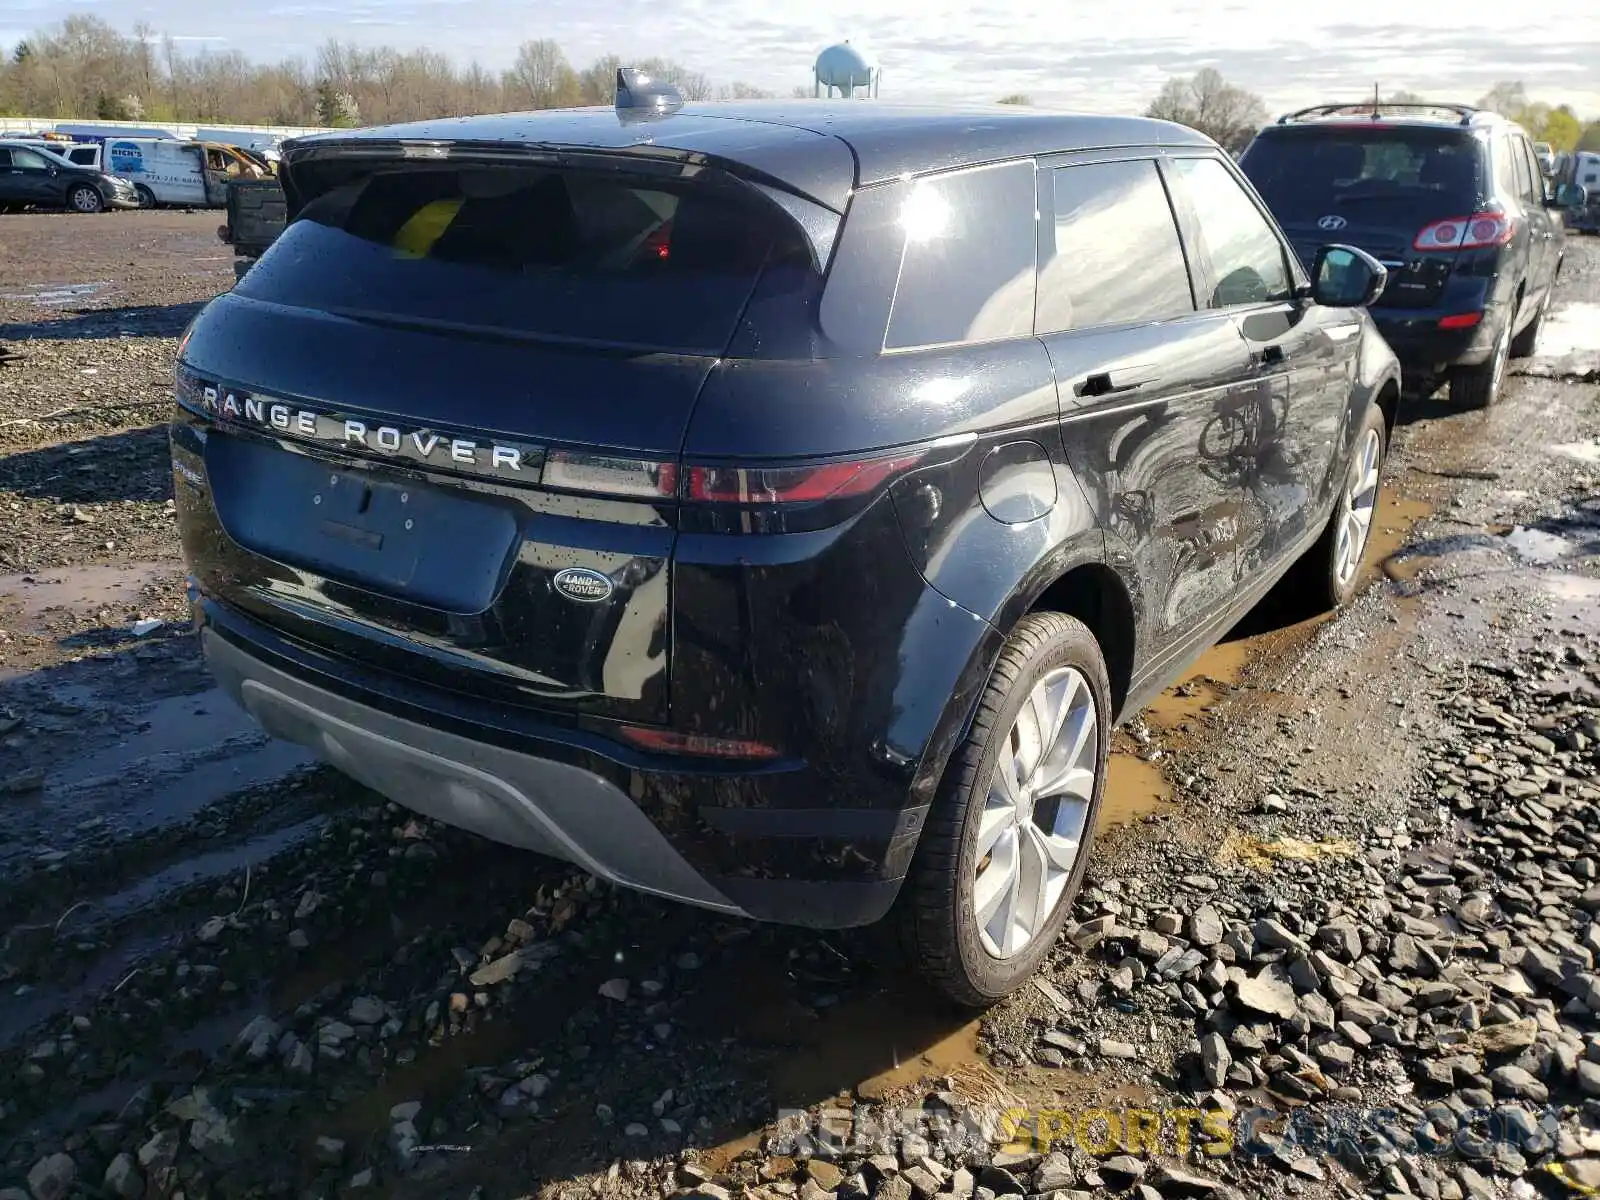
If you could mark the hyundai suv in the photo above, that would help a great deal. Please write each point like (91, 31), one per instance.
(771, 507)
(1452, 201)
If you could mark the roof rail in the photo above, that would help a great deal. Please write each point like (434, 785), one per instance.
(1376, 109)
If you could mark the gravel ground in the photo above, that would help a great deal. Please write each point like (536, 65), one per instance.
(1340, 939)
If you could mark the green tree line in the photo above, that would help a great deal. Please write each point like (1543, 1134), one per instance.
(85, 69)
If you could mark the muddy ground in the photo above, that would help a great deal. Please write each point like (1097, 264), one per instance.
(1346, 879)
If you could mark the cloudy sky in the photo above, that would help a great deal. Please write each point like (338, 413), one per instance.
(1088, 54)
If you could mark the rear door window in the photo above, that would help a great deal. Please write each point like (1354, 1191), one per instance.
(967, 270)
(1115, 257)
(1405, 176)
(1535, 174)
(564, 254)
(1520, 163)
(1248, 264)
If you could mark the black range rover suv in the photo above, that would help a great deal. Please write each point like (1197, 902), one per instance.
(1452, 201)
(759, 505)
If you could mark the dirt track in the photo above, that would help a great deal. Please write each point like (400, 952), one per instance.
(225, 967)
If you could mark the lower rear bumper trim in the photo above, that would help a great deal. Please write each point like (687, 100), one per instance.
(538, 804)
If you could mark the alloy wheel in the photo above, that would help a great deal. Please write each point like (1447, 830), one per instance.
(1361, 501)
(86, 200)
(1502, 353)
(1031, 830)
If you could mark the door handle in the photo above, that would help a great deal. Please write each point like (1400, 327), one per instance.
(1268, 355)
(1110, 383)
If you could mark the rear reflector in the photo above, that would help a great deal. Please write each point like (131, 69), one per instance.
(1460, 320)
(665, 741)
(1466, 233)
(794, 484)
(609, 476)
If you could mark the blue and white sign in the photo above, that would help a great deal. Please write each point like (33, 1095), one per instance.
(126, 158)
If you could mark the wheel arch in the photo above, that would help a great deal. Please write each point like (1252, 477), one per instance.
(1079, 582)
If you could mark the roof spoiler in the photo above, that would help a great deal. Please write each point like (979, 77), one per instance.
(642, 98)
(1375, 109)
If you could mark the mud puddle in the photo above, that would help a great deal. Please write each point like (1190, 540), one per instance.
(1574, 328)
(54, 295)
(105, 590)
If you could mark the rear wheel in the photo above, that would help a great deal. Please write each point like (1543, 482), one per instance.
(1479, 386)
(1007, 841)
(85, 198)
(147, 198)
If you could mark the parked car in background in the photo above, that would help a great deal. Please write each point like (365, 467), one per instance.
(1546, 155)
(33, 178)
(772, 507)
(1452, 201)
(1582, 175)
(79, 154)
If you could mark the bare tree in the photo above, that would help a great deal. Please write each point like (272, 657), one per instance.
(1228, 114)
(738, 90)
(597, 83)
(540, 77)
(1508, 98)
(1019, 98)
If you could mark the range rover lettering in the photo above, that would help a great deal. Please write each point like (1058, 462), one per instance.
(772, 507)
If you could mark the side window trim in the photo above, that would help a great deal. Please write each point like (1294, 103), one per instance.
(1045, 182)
(1298, 281)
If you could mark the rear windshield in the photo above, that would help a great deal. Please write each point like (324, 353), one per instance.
(565, 254)
(1366, 174)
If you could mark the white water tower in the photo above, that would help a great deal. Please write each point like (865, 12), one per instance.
(847, 68)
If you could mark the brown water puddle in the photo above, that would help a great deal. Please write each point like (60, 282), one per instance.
(1397, 515)
(1134, 789)
(116, 588)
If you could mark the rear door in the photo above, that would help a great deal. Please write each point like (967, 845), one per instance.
(447, 411)
(1541, 225)
(1374, 185)
(34, 178)
(1143, 380)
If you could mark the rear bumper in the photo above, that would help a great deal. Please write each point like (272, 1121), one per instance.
(639, 823)
(1424, 349)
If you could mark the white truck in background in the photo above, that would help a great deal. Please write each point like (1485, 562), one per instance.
(165, 171)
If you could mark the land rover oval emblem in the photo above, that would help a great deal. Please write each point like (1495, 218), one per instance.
(580, 583)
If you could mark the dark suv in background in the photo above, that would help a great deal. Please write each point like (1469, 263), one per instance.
(31, 178)
(771, 507)
(1451, 200)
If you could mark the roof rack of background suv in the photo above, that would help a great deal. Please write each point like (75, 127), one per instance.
(1377, 108)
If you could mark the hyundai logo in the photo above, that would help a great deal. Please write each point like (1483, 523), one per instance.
(1332, 222)
(582, 584)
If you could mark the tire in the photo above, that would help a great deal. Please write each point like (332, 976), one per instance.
(1522, 346)
(147, 198)
(1325, 578)
(85, 198)
(1480, 386)
(939, 925)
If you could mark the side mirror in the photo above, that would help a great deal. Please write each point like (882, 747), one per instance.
(1570, 195)
(1345, 277)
